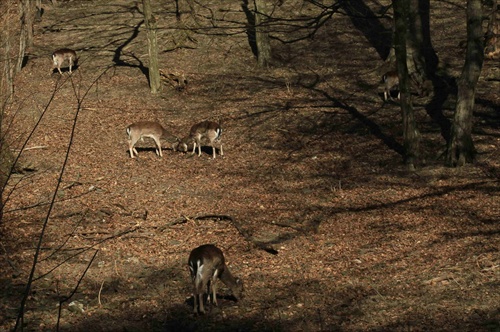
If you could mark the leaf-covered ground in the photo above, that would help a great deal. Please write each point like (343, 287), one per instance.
(311, 169)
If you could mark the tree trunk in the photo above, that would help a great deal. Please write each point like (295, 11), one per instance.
(492, 38)
(420, 55)
(415, 44)
(6, 162)
(460, 146)
(261, 33)
(151, 26)
(26, 31)
(411, 135)
(6, 92)
(7, 86)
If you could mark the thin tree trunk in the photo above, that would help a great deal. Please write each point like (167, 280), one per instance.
(415, 44)
(6, 92)
(6, 162)
(461, 146)
(8, 74)
(262, 34)
(411, 135)
(492, 38)
(30, 7)
(151, 26)
(418, 47)
(26, 31)
(22, 50)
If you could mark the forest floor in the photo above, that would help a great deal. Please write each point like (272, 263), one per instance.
(311, 172)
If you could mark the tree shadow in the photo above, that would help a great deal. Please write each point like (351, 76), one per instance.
(435, 107)
(363, 18)
(119, 51)
(372, 126)
(380, 38)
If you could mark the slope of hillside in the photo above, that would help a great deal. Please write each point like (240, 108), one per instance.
(310, 170)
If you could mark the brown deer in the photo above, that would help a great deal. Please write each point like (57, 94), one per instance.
(175, 79)
(137, 131)
(391, 82)
(206, 265)
(59, 56)
(207, 131)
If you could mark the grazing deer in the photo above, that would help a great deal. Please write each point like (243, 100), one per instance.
(175, 79)
(59, 56)
(206, 130)
(139, 130)
(391, 82)
(206, 265)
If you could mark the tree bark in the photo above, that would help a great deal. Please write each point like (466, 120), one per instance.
(461, 146)
(492, 38)
(6, 92)
(6, 162)
(411, 135)
(262, 33)
(415, 44)
(26, 32)
(7, 85)
(420, 55)
(151, 26)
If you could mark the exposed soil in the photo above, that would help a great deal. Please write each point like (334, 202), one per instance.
(311, 172)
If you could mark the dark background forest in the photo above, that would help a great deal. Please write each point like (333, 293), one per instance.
(312, 203)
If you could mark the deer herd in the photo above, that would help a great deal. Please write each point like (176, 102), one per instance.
(206, 263)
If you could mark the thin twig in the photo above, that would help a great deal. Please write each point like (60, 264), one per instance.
(99, 294)
(74, 289)
(31, 148)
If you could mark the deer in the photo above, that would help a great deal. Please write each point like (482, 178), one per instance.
(207, 130)
(175, 79)
(206, 265)
(59, 56)
(138, 130)
(391, 82)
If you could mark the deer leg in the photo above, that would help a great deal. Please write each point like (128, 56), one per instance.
(158, 147)
(131, 149)
(199, 147)
(214, 291)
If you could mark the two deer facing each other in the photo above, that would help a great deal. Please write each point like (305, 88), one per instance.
(203, 133)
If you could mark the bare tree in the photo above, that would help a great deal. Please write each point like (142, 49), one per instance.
(6, 91)
(421, 59)
(461, 146)
(151, 26)
(262, 33)
(411, 135)
(6, 80)
(27, 14)
(6, 162)
(415, 44)
(492, 38)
